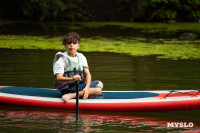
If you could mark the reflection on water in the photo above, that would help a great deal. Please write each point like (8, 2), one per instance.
(23, 120)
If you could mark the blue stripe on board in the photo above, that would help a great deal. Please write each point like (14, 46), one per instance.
(57, 94)
(32, 91)
(126, 95)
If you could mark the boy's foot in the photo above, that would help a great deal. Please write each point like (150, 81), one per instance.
(69, 96)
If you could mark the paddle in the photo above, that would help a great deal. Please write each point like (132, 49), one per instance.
(77, 95)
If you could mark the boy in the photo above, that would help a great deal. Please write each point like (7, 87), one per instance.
(72, 66)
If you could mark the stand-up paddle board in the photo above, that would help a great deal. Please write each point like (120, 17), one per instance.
(109, 100)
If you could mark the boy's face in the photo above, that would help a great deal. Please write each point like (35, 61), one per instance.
(73, 47)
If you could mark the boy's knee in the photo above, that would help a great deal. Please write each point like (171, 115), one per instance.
(100, 84)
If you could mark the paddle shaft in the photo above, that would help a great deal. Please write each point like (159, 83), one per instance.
(77, 98)
(77, 95)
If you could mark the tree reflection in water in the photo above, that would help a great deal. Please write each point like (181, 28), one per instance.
(31, 120)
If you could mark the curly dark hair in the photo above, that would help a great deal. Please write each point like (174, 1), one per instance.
(72, 37)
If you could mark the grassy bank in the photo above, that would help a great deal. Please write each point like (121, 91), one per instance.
(171, 49)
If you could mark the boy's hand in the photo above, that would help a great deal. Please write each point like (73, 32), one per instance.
(86, 93)
(77, 78)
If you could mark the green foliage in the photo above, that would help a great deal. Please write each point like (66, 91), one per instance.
(174, 9)
(41, 8)
(44, 9)
(168, 14)
(80, 10)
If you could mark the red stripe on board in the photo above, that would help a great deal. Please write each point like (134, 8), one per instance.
(35, 103)
(1, 87)
(135, 107)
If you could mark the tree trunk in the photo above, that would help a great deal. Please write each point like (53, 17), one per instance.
(42, 16)
(155, 13)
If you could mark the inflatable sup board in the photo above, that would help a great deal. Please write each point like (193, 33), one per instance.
(143, 101)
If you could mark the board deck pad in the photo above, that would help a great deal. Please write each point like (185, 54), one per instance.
(52, 93)
(135, 101)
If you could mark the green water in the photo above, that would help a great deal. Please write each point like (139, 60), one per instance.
(33, 68)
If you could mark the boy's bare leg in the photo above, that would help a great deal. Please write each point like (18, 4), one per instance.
(93, 92)
(96, 91)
